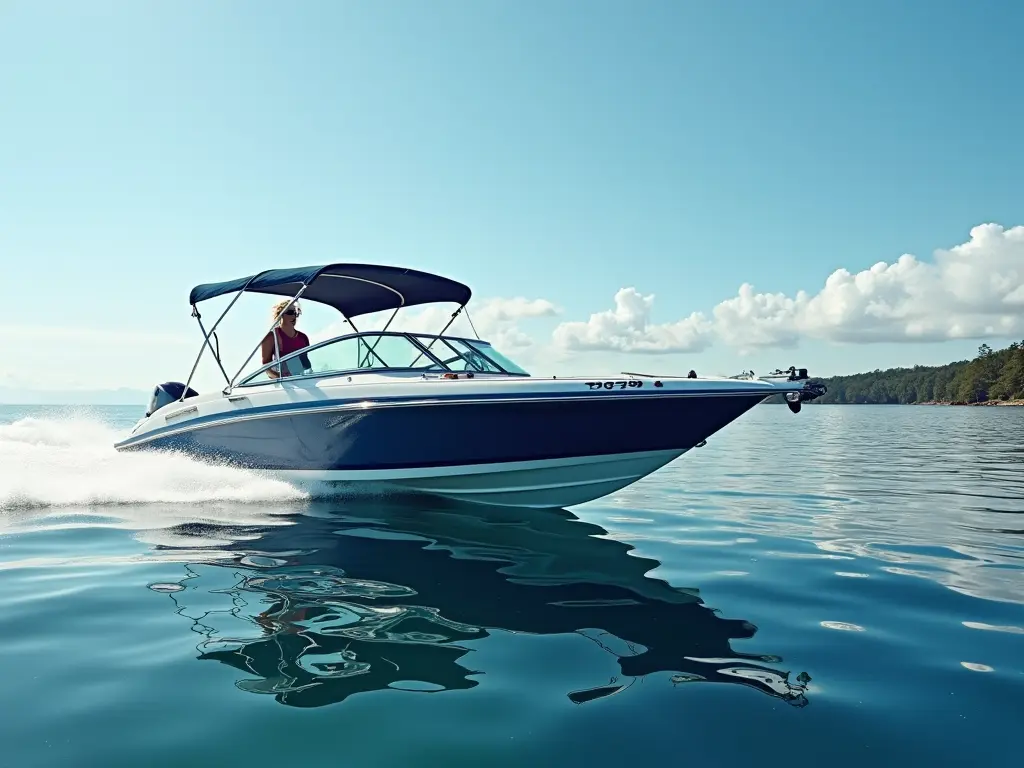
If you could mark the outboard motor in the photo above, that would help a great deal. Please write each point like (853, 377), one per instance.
(168, 392)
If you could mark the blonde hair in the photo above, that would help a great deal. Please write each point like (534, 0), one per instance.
(277, 309)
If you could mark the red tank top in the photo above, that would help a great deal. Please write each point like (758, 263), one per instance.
(288, 344)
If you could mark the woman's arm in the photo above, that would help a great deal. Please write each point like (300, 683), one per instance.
(267, 348)
(304, 358)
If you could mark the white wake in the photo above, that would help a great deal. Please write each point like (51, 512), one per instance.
(71, 462)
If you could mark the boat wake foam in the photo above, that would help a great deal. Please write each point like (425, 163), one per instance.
(71, 462)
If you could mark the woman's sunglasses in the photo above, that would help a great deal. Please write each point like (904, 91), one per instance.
(290, 313)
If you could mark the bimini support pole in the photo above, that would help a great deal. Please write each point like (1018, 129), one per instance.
(369, 350)
(211, 335)
(373, 350)
(455, 314)
(393, 314)
(206, 336)
(471, 324)
(349, 320)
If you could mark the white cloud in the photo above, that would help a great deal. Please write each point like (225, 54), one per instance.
(974, 290)
(627, 328)
(971, 291)
(758, 319)
(497, 320)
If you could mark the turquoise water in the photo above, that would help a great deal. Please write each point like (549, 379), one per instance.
(844, 587)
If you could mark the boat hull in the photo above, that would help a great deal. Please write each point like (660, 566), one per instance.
(544, 484)
(527, 451)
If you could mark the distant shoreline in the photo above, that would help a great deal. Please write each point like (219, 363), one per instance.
(992, 403)
(993, 378)
(983, 403)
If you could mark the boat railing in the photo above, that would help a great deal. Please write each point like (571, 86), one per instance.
(440, 354)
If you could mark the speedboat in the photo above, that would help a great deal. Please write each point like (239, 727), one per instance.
(442, 415)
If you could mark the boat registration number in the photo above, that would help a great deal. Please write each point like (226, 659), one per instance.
(620, 384)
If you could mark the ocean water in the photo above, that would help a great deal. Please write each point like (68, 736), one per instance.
(842, 587)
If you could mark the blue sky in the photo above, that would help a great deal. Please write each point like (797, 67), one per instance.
(556, 152)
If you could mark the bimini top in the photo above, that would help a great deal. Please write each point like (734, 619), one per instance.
(352, 289)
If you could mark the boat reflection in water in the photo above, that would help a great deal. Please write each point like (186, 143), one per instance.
(378, 596)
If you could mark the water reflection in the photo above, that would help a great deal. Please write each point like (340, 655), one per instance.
(377, 596)
(930, 493)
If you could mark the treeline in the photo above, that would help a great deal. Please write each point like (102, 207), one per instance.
(992, 375)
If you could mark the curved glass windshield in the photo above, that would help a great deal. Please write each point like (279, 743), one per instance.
(353, 353)
(497, 357)
(390, 351)
(469, 355)
(456, 356)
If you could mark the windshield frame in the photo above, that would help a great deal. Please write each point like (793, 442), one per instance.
(437, 366)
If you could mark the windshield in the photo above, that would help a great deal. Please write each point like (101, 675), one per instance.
(499, 358)
(353, 353)
(469, 355)
(389, 351)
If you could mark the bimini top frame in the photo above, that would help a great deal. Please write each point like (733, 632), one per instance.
(352, 289)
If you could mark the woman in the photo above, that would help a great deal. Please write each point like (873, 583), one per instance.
(289, 339)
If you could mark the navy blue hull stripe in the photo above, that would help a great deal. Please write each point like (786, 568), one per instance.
(341, 404)
(354, 438)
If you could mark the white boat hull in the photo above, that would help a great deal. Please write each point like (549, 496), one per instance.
(508, 441)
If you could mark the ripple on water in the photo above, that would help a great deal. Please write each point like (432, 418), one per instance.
(845, 626)
(993, 628)
(166, 587)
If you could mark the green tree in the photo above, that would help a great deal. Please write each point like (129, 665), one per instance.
(1010, 383)
(993, 374)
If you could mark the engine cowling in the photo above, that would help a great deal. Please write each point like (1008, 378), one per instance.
(168, 392)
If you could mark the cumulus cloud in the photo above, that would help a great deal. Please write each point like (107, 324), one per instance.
(497, 320)
(974, 290)
(758, 319)
(628, 328)
(971, 291)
